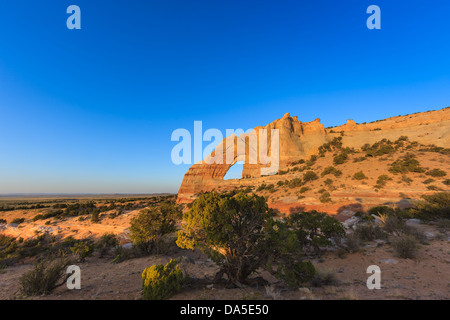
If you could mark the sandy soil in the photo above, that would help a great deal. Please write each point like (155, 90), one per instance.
(427, 277)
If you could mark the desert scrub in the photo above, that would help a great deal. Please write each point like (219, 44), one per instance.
(240, 234)
(331, 170)
(406, 164)
(44, 277)
(303, 189)
(162, 282)
(340, 158)
(325, 197)
(315, 230)
(359, 176)
(310, 176)
(383, 179)
(406, 246)
(433, 206)
(83, 249)
(324, 278)
(107, 242)
(437, 173)
(369, 232)
(18, 220)
(149, 227)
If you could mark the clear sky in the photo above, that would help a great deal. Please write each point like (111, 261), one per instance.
(92, 110)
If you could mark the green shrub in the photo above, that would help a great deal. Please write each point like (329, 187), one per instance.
(107, 242)
(433, 206)
(383, 179)
(331, 170)
(340, 158)
(310, 176)
(261, 187)
(239, 233)
(380, 210)
(324, 278)
(406, 164)
(83, 249)
(294, 183)
(446, 182)
(162, 282)
(152, 224)
(325, 197)
(359, 176)
(379, 148)
(369, 232)
(406, 247)
(315, 229)
(436, 173)
(18, 220)
(44, 277)
(303, 189)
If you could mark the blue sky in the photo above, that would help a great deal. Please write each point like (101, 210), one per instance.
(92, 110)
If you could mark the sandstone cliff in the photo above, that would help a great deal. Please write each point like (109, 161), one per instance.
(299, 140)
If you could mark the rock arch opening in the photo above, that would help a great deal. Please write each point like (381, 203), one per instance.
(235, 171)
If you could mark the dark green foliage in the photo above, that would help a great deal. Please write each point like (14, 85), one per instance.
(369, 232)
(406, 247)
(18, 220)
(303, 189)
(107, 242)
(310, 176)
(324, 278)
(428, 181)
(331, 170)
(335, 144)
(340, 158)
(161, 282)
(379, 148)
(383, 179)
(315, 229)
(152, 224)
(83, 249)
(359, 176)
(240, 234)
(433, 206)
(44, 277)
(325, 197)
(381, 210)
(406, 164)
(446, 182)
(436, 173)
(294, 183)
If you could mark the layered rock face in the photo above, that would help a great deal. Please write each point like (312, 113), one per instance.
(299, 140)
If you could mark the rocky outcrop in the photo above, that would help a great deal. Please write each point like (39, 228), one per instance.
(299, 140)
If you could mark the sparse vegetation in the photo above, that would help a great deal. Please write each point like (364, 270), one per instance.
(44, 277)
(161, 282)
(239, 233)
(149, 227)
(359, 176)
(406, 164)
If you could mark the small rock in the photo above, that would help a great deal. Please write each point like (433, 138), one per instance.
(411, 222)
(210, 286)
(393, 261)
(304, 290)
